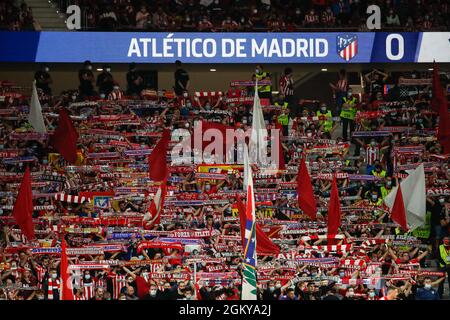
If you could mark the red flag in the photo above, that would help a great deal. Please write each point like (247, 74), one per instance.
(157, 160)
(264, 245)
(444, 127)
(281, 163)
(67, 293)
(305, 192)
(157, 205)
(334, 210)
(65, 137)
(206, 125)
(438, 93)
(398, 213)
(198, 295)
(23, 207)
(439, 104)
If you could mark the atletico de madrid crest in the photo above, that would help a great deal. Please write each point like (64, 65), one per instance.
(347, 46)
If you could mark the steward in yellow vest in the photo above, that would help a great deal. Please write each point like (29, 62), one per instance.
(348, 108)
(327, 122)
(264, 91)
(444, 253)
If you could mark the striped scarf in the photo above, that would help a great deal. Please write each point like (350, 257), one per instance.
(40, 274)
(118, 282)
(88, 290)
(53, 284)
(368, 243)
(331, 248)
(355, 264)
(324, 236)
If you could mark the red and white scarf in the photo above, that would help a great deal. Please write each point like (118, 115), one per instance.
(118, 282)
(53, 284)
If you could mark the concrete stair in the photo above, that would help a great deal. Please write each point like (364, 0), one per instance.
(44, 12)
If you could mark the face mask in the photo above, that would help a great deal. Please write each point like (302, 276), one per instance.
(373, 143)
(371, 294)
(272, 289)
(87, 277)
(323, 110)
(108, 69)
(141, 257)
(309, 134)
(244, 121)
(116, 88)
(441, 200)
(123, 298)
(186, 125)
(188, 297)
(374, 197)
(427, 286)
(1, 146)
(102, 96)
(278, 286)
(389, 183)
(349, 94)
(89, 67)
(208, 107)
(351, 294)
(257, 70)
(153, 292)
(54, 275)
(207, 187)
(341, 274)
(46, 69)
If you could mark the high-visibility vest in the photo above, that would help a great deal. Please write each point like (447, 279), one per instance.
(349, 113)
(384, 192)
(283, 119)
(260, 77)
(444, 253)
(328, 123)
(378, 203)
(284, 106)
(382, 174)
(399, 230)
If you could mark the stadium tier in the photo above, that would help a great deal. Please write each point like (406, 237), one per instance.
(230, 15)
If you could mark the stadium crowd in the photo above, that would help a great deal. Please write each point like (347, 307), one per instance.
(16, 16)
(192, 250)
(260, 15)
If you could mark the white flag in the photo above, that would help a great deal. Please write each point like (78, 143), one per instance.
(414, 198)
(249, 284)
(35, 117)
(258, 138)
